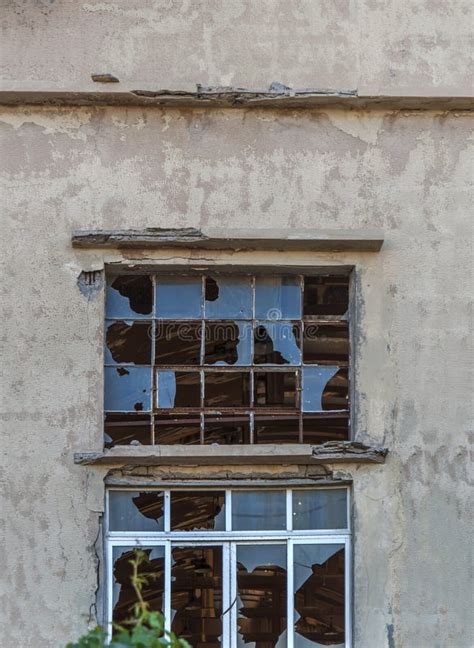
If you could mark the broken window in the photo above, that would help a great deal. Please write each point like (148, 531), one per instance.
(237, 567)
(230, 359)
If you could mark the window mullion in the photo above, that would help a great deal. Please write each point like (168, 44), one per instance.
(289, 595)
(167, 583)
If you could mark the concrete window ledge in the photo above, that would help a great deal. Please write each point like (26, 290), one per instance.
(215, 455)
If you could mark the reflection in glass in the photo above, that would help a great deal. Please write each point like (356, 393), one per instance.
(315, 380)
(226, 389)
(178, 343)
(258, 510)
(196, 595)
(122, 429)
(127, 389)
(326, 344)
(136, 511)
(185, 429)
(129, 297)
(261, 596)
(277, 343)
(179, 297)
(178, 389)
(128, 342)
(227, 430)
(228, 343)
(228, 297)
(320, 509)
(327, 295)
(124, 596)
(277, 429)
(319, 595)
(197, 511)
(275, 389)
(277, 298)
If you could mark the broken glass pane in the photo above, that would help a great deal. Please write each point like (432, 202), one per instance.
(127, 389)
(128, 342)
(178, 343)
(277, 429)
(178, 389)
(320, 429)
(227, 430)
(179, 297)
(136, 511)
(228, 343)
(261, 596)
(327, 295)
(326, 344)
(196, 595)
(277, 298)
(228, 297)
(258, 510)
(336, 393)
(122, 429)
(226, 389)
(320, 509)
(197, 511)
(124, 595)
(277, 343)
(184, 429)
(275, 389)
(315, 380)
(319, 595)
(129, 297)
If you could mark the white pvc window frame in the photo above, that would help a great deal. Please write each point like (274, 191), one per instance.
(229, 540)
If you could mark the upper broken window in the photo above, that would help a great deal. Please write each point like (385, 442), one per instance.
(229, 359)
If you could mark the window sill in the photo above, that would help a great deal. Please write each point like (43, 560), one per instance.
(215, 455)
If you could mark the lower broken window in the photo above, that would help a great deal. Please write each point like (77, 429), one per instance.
(247, 568)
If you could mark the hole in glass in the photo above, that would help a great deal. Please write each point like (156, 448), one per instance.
(277, 343)
(177, 343)
(326, 344)
(328, 295)
(129, 296)
(129, 342)
(178, 389)
(136, 511)
(228, 343)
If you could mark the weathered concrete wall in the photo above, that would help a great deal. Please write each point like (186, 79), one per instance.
(412, 47)
(406, 173)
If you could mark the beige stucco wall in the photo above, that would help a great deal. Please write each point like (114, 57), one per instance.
(407, 173)
(394, 47)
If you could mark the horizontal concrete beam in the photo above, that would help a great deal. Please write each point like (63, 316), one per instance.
(237, 239)
(12, 93)
(217, 455)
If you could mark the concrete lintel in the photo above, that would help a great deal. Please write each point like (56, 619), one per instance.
(237, 239)
(278, 97)
(287, 453)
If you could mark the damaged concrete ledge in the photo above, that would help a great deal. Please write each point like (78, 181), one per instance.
(277, 96)
(217, 455)
(233, 239)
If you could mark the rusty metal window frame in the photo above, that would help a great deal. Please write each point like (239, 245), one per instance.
(252, 369)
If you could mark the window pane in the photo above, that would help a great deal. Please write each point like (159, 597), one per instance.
(226, 389)
(277, 298)
(275, 389)
(258, 510)
(178, 389)
(319, 595)
(178, 343)
(277, 343)
(122, 429)
(317, 392)
(136, 511)
(319, 429)
(326, 344)
(128, 342)
(319, 509)
(185, 429)
(228, 343)
(129, 297)
(277, 429)
(179, 297)
(197, 511)
(228, 298)
(261, 596)
(196, 595)
(227, 430)
(325, 295)
(127, 389)
(124, 596)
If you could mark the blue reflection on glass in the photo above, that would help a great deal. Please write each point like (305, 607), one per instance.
(228, 297)
(256, 511)
(179, 297)
(315, 380)
(320, 509)
(277, 298)
(127, 389)
(166, 388)
(129, 297)
(136, 511)
(281, 347)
